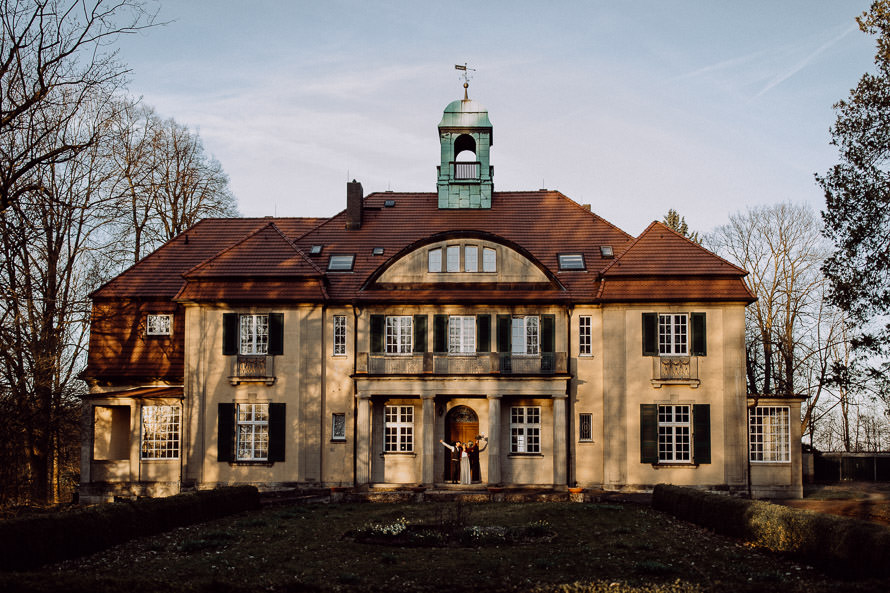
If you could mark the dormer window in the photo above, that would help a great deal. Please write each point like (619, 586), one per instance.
(489, 260)
(341, 263)
(461, 258)
(452, 258)
(434, 258)
(571, 261)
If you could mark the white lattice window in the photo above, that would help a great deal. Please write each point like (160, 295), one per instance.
(526, 337)
(339, 335)
(585, 427)
(160, 432)
(471, 258)
(675, 434)
(158, 324)
(398, 433)
(673, 335)
(525, 429)
(461, 334)
(585, 343)
(452, 258)
(769, 429)
(253, 432)
(399, 334)
(489, 260)
(434, 260)
(254, 334)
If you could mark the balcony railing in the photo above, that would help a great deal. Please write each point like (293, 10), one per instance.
(252, 368)
(466, 171)
(461, 364)
(681, 370)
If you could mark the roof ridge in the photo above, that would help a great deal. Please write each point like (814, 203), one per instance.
(590, 212)
(227, 249)
(629, 247)
(702, 247)
(297, 249)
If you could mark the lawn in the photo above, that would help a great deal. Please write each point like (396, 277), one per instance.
(589, 547)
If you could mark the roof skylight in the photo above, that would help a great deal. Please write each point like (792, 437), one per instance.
(341, 263)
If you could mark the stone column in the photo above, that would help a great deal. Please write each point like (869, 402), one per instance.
(560, 437)
(429, 439)
(494, 439)
(363, 440)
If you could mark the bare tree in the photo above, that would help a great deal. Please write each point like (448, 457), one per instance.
(54, 56)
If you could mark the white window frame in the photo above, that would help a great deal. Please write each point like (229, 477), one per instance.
(769, 434)
(253, 335)
(399, 334)
(526, 335)
(339, 348)
(252, 432)
(489, 260)
(585, 421)
(434, 260)
(471, 258)
(160, 428)
(571, 262)
(398, 429)
(673, 334)
(675, 433)
(452, 258)
(462, 334)
(341, 263)
(525, 429)
(338, 426)
(158, 324)
(585, 335)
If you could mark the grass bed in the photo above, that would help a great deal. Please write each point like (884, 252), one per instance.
(594, 548)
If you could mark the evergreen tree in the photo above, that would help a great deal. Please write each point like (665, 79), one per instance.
(678, 223)
(857, 194)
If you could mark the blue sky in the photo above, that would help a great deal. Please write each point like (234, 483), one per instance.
(707, 107)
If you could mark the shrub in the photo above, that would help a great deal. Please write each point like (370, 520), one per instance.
(850, 546)
(29, 542)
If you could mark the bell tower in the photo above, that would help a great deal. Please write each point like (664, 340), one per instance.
(465, 137)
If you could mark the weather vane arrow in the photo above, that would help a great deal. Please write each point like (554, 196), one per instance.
(466, 76)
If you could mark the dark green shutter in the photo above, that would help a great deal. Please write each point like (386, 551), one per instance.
(505, 327)
(230, 333)
(648, 433)
(699, 335)
(277, 426)
(440, 333)
(377, 331)
(420, 333)
(548, 333)
(483, 333)
(225, 425)
(650, 334)
(276, 334)
(701, 433)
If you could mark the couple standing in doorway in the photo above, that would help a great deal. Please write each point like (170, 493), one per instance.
(465, 459)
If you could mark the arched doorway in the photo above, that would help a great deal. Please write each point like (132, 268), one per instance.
(461, 424)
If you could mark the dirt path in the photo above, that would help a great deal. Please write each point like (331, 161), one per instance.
(868, 501)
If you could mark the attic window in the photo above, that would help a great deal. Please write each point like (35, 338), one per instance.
(389, 203)
(606, 251)
(341, 263)
(315, 250)
(571, 261)
(377, 251)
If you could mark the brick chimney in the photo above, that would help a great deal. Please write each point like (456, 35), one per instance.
(354, 196)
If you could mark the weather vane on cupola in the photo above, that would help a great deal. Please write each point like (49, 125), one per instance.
(466, 76)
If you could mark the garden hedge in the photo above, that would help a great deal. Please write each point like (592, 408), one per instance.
(28, 542)
(838, 544)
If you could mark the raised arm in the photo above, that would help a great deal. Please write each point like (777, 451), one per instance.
(482, 448)
(447, 445)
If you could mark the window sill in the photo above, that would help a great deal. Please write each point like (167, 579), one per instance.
(586, 441)
(153, 461)
(770, 462)
(398, 454)
(526, 455)
(267, 380)
(675, 465)
(257, 463)
(658, 383)
(338, 440)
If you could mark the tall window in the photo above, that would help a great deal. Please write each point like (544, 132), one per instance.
(585, 427)
(471, 258)
(158, 325)
(489, 260)
(160, 432)
(339, 335)
(399, 331)
(461, 334)
(585, 347)
(254, 334)
(338, 427)
(674, 434)
(452, 258)
(525, 429)
(253, 432)
(672, 335)
(769, 428)
(526, 337)
(398, 434)
(434, 260)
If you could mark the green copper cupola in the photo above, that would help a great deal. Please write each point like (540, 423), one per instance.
(465, 175)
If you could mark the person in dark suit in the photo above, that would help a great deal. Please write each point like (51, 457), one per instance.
(456, 450)
(473, 451)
